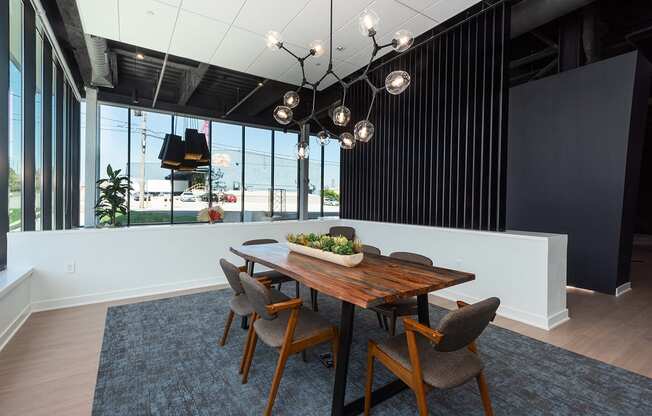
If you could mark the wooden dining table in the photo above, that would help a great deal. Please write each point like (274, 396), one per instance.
(376, 280)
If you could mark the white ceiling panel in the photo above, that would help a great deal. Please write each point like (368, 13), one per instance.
(100, 17)
(238, 50)
(196, 37)
(147, 23)
(223, 10)
(230, 33)
(445, 9)
(259, 16)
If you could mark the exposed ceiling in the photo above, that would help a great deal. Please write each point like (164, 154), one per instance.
(230, 34)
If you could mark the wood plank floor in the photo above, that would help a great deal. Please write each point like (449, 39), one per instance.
(50, 366)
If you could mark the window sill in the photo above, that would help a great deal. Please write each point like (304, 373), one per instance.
(11, 278)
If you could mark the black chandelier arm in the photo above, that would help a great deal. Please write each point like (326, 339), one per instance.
(371, 105)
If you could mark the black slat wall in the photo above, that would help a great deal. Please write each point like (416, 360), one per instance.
(438, 156)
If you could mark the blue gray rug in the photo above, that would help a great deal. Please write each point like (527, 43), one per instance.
(161, 358)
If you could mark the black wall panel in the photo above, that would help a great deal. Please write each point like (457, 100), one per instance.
(438, 156)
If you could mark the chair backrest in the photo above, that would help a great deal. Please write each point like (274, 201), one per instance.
(259, 241)
(232, 275)
(348, 232)
(370, 249)
(259, 296)
(412, 257)
(462, 326)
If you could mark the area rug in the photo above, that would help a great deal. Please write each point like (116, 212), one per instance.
(161, 358)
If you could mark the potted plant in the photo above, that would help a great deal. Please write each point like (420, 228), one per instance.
(339, 250)
(113, 197)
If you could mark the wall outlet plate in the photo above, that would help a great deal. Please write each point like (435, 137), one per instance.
(70, 267)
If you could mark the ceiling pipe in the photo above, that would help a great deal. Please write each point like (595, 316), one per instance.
(101, 65)
(530, 14)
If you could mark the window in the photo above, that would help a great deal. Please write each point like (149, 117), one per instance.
(38, 132)
(331, 188)
(192, 188)
(53, 169)
(114, 139)
(150, 200)
(286, 186)
(314, 178)
(226, 167)
(258, 174)
(15, 114)
(82, 161)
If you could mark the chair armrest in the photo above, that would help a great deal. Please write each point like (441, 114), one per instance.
(432, 334)
(281, 306)
(243, 268)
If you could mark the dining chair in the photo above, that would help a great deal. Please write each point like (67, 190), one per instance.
(441, 358)
(367, 249)
(286, 326)
(239, 304)
(402, 307)
(277, 278)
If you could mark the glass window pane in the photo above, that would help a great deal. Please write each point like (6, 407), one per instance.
(314, 178)
(113, 143)
(82, 161)
(226, 164)
(258, 174)
(332, 178)
(38, 139)
(285, 176)
(152, 186)
(15, 114)
(191, 189)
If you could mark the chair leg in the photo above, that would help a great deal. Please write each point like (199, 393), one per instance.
(227, 326)
(484, 393)
(313, 300)
(298, 290)
(370, 379)
(385, 323)
(276, 381)
(304, 358)
(420, 392)
(250, 358)
(380, 320)
(392, 321)
(247, 346)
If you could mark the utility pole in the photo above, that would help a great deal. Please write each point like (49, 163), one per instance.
(143, 149)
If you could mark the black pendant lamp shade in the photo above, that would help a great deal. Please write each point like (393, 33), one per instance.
(172, 152)
(196, 145)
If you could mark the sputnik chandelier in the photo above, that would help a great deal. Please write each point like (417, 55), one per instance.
(395, 83)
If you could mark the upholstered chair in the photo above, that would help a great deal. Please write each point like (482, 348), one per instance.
(348, 232)
(401, 307)
(367, 249)
(285, 326)
(239, 303)
(277, 278)
(440, 358)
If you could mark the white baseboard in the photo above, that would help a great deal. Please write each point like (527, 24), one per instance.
(11, 330)
(539, 321)
(68, 302)
(624, 288)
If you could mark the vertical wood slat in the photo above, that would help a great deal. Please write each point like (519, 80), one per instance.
(438, 154)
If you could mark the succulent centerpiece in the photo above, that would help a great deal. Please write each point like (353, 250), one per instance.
(339, 250)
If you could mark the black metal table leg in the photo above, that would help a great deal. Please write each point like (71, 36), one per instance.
(342, 368)
(423, 310)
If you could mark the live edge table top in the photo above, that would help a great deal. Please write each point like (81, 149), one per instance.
(377, 280)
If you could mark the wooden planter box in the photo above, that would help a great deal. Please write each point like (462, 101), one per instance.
(347, 261)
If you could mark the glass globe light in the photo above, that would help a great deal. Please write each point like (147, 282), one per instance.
(302, 150)
(273, 40)
(341, 115)
(323, 138)
(291, 99)
(283, 114)
(347, 141)
(402, 40)
(363, 131)
(368, 22)
(317, 48)
(396, 82)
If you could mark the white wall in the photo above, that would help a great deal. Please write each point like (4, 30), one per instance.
(126, 262)
(15, 301)
(527, 271)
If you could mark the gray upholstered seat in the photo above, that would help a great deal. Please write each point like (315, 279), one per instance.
(242, 307)
(440, 369)
(272, 332)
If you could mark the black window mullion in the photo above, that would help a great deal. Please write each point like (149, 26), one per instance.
(271, 195)
(46, 191)
(58, 169)
(172, 178)
(210, 164)
(29, 116)
(242, 177)
(321, 192)
(4, 128)
(129, 166)
(76, 164)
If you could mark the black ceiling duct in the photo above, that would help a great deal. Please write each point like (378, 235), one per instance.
(172, 152)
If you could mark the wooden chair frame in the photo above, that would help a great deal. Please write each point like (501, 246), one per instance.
(414, 377)
(290, 345)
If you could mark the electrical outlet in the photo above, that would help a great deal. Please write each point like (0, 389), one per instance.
(458, 262)
(70, 267)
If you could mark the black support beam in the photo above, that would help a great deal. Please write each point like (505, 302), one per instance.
(58, 146)
(46, 191)
(29, 110)
(4, 127)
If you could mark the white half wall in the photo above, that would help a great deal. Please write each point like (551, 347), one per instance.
(15, 302)
(527, 271)
(77, 267)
